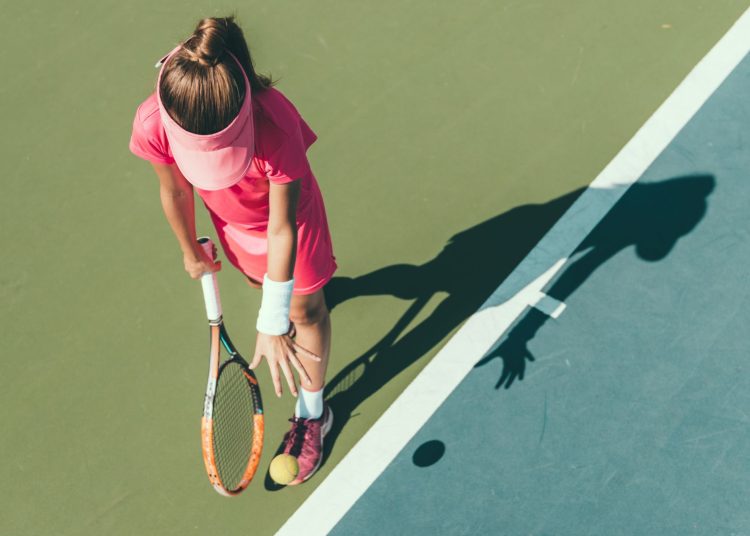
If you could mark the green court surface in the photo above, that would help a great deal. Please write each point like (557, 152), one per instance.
(431, 119)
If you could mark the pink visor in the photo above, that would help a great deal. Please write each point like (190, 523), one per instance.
(212, 161)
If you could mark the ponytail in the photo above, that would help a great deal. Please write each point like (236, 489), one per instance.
(202, 87)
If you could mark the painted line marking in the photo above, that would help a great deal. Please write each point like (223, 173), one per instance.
(548, 305)
(333, 498)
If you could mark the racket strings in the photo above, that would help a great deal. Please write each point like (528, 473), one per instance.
(233, 424)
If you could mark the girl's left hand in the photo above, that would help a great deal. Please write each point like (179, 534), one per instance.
(280, 351)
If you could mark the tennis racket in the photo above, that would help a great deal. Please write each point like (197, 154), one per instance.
(232, 424)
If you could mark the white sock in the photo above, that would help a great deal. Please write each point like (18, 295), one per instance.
(309, 404)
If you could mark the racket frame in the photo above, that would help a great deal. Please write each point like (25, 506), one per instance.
(220, 338)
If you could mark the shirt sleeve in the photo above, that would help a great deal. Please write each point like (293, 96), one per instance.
(146, 143)
(287, 161)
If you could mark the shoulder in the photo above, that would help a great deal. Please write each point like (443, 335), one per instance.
(282, 137)
(147, 114)
(149, 139)
(278, 122)
(276, 110)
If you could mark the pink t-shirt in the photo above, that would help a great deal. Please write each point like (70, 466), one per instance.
(240, 212)
(282, 138)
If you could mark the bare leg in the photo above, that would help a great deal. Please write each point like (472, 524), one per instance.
(313, 324)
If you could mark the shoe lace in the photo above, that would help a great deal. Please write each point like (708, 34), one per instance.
(296, 435)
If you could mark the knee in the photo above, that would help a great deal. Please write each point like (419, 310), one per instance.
(308, 313)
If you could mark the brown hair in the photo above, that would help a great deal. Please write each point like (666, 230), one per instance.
(202, 87)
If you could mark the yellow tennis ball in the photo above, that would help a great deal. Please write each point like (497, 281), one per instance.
(284, 469)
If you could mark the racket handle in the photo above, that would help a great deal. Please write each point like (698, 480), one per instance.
(210, 284)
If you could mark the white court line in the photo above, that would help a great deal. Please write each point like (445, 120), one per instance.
(523, 287)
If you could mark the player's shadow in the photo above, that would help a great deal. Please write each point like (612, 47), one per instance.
(649, 216)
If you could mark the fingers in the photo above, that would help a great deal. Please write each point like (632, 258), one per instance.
(307, 353)
(503, 378)
(281, 355)
(297, 365)
(256, 360)
(275, 377)
(284, 364)
(210, 262)
(485, 360)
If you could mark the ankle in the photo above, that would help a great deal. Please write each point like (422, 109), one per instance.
(309, 404)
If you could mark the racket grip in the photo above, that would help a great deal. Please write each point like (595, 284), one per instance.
(210, 284)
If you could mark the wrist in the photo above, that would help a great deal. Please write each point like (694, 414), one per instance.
(191, 253)
(273, 316)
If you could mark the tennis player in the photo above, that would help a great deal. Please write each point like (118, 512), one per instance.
(216, 127)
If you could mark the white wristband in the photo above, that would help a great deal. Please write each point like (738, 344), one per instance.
(273, 317)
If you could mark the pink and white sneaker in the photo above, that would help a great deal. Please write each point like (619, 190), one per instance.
(304, 440)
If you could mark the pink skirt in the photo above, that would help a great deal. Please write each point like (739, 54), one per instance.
(246, 248)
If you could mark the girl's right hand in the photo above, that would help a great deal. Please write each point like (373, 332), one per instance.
(197, 263)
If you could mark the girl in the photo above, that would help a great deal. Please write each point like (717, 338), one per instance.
(215, 126)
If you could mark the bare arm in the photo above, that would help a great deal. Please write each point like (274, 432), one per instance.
(179, 207)
(282, 231)
(279, 350)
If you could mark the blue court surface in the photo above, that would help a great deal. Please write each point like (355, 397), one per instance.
(621, 404)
